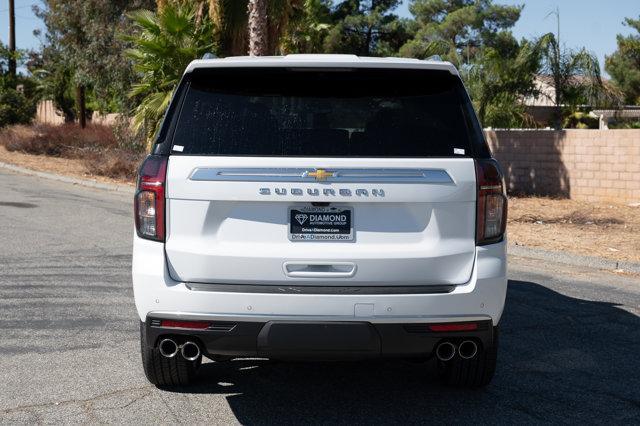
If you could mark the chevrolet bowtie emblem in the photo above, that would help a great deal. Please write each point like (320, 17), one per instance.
(320, 174)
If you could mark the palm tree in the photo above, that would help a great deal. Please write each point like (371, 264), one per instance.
(230, 34)
(498, 80)
(163, 45)
(279, 16)
(229, 19)
(308, 25)
(268, 21)
(258, 28)
(574, 75)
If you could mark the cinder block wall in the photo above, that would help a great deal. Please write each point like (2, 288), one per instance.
(591, 165)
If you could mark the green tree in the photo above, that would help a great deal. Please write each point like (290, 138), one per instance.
(500, 78)
(15, 107)
(309, 25)
(163, 45)
(624, 64)
(366, 28)
(54, 77)
(18, 93)
(8, 63)
(457, 29)
(85, 35)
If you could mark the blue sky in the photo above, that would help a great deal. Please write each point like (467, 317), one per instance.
(593, 24)
(590, 23)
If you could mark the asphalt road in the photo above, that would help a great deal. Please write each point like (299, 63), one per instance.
(69, 351)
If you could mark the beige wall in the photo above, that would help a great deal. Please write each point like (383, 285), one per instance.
(591, 165)
(46, 113)
(105, 119)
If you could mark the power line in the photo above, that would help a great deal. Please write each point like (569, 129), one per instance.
(15, 8)
(28, 18)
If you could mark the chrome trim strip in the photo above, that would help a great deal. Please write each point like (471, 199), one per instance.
(430, 176)
(314, 289)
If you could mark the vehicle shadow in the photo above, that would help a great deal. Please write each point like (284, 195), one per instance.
(561, 360)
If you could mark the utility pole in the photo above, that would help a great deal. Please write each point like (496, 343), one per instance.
(12, 39)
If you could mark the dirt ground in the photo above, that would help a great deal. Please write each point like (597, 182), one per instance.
(63, 166)
(594, 229)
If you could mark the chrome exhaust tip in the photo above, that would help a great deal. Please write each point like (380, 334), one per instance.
(168, 348)
(190, 351)
(445, 351)
(467, 349)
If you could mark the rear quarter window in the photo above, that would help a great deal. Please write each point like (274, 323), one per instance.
(325, 113)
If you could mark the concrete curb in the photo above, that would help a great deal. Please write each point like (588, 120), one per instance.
(573, 259)
(521, 251)
(68, 179)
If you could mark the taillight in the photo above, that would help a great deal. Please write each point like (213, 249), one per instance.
(491, 215)
(149, 203)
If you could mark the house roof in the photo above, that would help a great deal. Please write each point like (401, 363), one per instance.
(547, 94)
(573, 80)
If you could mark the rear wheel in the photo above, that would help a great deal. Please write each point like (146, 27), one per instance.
(471, 373)
(162, 371)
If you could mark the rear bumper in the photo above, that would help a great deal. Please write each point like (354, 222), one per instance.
(317, 340)
(158, 295)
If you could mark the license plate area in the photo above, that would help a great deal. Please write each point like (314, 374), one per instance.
(310, 223)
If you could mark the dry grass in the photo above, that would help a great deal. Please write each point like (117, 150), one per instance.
(66, 140)
(95, 146)
(56, 165)
(116, 164)
(595, 229)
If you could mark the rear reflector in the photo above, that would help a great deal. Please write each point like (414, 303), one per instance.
(469, 326)
(194, 325)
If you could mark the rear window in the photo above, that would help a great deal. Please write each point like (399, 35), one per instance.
(325, 113)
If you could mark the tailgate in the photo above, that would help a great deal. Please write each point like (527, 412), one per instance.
(410, 221)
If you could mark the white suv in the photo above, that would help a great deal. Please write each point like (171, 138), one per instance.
(320, 207)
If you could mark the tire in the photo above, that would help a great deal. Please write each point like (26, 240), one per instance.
(166, 372)
(471, 373)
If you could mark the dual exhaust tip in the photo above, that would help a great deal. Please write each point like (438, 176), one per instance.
(189, 350)
(467, 349)
(445, 351)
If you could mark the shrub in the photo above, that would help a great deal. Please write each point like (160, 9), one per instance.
(624, 124)
(15, 108)
(580, 120)
(116, 164)
(127, 136)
